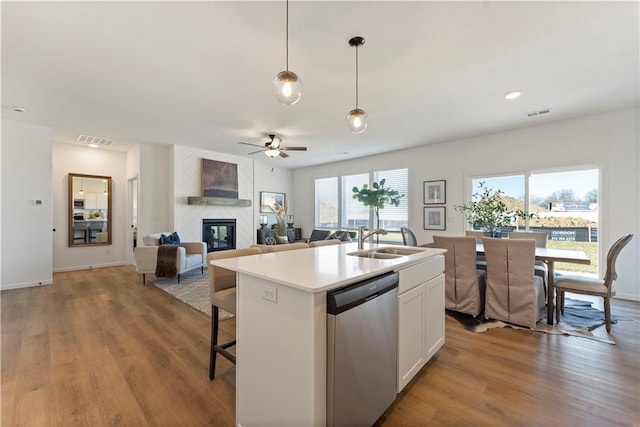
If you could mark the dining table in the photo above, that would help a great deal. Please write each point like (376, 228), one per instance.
(550, 256)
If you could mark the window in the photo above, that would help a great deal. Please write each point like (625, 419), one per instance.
(394, 217)
(327, 203)
(564, 204)
(336, 207)
(354, 213)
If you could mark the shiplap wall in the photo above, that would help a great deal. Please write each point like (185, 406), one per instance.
(188, 182)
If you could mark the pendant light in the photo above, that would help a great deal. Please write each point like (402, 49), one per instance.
(287, 86)
(81, 186)
(357, 118)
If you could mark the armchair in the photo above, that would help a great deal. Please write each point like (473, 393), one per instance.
(189, 255)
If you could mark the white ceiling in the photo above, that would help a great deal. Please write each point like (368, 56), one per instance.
(199, 73)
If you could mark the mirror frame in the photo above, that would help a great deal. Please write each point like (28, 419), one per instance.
(70, 207)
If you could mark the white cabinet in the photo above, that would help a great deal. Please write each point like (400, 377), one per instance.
(434, 306)
(412, 354)
(420, 316)
(95, 201)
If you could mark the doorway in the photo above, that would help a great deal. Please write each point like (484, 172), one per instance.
(132, 218)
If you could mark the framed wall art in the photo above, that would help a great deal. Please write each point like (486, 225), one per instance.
(219, 179)
(269, 199)
(435, 218)
(435, 192)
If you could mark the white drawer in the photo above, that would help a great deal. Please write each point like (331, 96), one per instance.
(416, 274)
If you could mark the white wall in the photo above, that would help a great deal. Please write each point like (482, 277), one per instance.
(609, 141)
(69, 158)
(155, 183)
(26, 227)
(275, 179)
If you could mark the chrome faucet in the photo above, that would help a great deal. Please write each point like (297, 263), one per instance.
(362, 236)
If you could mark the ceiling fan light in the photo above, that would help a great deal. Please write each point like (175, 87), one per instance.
(287, 87)
(272, 153)
(357, 120)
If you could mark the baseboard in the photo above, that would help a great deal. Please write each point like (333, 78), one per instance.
(90, 267)
(26, 285)
(629, 297)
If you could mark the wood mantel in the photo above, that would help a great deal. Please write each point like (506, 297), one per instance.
(218, 201)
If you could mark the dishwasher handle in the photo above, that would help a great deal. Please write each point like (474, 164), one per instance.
(346, 298)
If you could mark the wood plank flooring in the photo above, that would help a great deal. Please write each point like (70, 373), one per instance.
(97, 348)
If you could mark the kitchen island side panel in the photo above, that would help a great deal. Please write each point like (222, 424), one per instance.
(281, 355)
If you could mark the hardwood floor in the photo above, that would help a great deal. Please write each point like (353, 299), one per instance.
(97, 348)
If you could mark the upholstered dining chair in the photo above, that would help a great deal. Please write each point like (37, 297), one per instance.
(409, 239)
(222, 287)
(317, 243)
(481, 260)
(464, 283)
(514, 293)
(591, 286)
(541, 242)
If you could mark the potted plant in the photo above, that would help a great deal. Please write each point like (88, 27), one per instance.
(377, 197)
(486, 210)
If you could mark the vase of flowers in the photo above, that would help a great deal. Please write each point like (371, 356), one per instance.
(281, 214)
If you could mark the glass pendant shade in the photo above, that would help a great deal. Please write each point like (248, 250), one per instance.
(287, 87)
(357, 120)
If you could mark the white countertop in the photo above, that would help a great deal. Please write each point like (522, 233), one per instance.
(320, 269)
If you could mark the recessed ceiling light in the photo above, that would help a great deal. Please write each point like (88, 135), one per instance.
(92, 145)
(512, 95)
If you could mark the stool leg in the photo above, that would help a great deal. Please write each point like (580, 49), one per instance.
(214, 341)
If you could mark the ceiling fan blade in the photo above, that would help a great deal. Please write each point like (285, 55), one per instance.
(258, 151)
(247, 143)
(294, 148)
(283, 154)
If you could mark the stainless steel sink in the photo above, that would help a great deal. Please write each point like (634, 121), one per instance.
(399, 251)
(374, 254)
(387, 252)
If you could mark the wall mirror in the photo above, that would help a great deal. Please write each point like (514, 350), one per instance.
(89, 210)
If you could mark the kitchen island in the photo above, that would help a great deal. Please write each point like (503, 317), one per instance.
(281, 325)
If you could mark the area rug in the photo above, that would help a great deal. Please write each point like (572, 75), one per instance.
(193, 290)
(578, 320)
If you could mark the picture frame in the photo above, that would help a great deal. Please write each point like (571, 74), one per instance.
(435, 218)
(435, 192)
(268, 198)
(219, 179)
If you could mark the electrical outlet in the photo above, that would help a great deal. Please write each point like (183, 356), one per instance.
(270, 293)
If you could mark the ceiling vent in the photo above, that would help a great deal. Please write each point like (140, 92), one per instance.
(95, 141)
(538, 113)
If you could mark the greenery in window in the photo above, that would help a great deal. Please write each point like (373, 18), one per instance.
(377, 197)
(486, 210)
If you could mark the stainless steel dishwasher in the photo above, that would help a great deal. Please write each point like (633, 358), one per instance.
(362, 351)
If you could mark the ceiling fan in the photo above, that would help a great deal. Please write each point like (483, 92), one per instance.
(272, 148)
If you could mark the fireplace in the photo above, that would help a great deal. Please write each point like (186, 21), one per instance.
(219, 234)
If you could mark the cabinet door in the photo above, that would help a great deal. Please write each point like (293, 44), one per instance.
(411, 334)
(434, 308)
(101, 201)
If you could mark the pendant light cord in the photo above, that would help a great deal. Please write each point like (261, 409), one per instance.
(287, 36)
(356, 77)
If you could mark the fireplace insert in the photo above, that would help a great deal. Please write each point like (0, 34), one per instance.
(219, 234)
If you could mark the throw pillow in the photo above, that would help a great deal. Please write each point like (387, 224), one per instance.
(171, 239)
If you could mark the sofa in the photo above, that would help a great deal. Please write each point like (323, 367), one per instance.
(190, 255)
